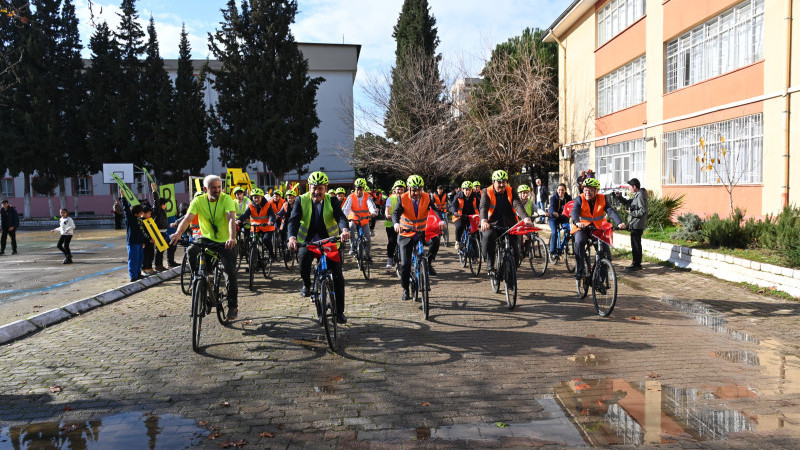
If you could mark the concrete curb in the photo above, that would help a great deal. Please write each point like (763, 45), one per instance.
(25, 327)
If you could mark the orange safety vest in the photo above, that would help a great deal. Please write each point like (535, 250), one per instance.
(440, 202)
(493, 200)
(359, 212)
(195, 225)
(260, 219)
(278, 206)
(461, 207)
(596, 217)
(409, 220)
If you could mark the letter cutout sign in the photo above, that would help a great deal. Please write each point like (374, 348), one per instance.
(126, 191)
(152, 230)
(168, 192)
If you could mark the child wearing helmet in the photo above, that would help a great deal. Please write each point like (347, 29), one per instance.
(262, 219)
(359, 209)
(464, 204)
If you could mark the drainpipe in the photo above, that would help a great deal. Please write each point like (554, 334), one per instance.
(564, 48)
(787, 101)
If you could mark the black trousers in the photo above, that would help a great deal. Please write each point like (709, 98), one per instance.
(407, 246)
(118, 221)
(228, 258)
(489, 246)
(63, 244)
(461, 224)
(149, 251)
(392, 245)
(636, 246)
(306, 258)
(6, 234)
(580, 250)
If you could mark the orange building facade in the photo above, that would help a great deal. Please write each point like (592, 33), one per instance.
(687, 96)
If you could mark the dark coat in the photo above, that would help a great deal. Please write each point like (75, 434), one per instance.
(319, 229)
(9, 218)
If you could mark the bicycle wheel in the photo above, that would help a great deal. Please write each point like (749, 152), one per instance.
(198, 310)
(252, 262)
(462, 255)
(329, 314)
(289, 257)
(498, 271)
(510, 281)
(446, 233)
(221, 294)
(397, 263)
(363, 262)
(552, 256)
(413, 284)
(266, 263)
(474, 256)
(569, 253)
(604, 287)
(424, 286)
(537, 256)
(186, 274)
(241, 253)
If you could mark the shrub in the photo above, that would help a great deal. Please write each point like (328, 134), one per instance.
(690, 228)
(783, 234)
(661, 209)
(726, 232)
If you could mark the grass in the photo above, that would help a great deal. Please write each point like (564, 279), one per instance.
(769, 292)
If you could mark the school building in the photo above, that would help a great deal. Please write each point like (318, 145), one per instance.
(688, 96)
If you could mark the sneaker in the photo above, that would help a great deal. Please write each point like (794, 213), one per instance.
(306, 291)
(14, 252)
(233, 313)
(340, 318)
(389, 263)
(431, 270)
(67, 260)
(580, 274)
(406, 294)
(633, 268)
(458, 246)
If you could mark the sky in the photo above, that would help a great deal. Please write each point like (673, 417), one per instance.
(467, 29)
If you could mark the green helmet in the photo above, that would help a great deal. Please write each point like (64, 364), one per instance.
(366, 188)
(476, 184)
(318, 178)
(198, 194)
(291, 192)
(499, 175)
(591, 182)
(257, 191)
(466, 185)
(341, 190)
(523, 188)
(360, 183)
(237, 189)
(399, 183)
(415, 181)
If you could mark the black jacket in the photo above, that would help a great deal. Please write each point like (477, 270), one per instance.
(316, 227)
(9, 217)
(509, 218)
(135, 233)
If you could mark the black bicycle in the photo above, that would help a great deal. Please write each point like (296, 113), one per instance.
(209, 288)
(506, 271)
(601, 275)
(186, 269)
(258, 259)
(469, 251)
(360, 246)
(322, 291)
(420, 283)
(564, 247)
(535, 250)
(241, 246)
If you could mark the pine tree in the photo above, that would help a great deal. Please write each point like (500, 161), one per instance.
(154, 135)
(129, 37)
(190, 142)
(267, 102)
(102, 103)
(416, 68)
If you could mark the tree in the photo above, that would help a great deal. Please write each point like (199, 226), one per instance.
(416, 71)
(156, 125)
(11, 17)
(725, 162)
(129, 37)
(103, 102)
(267, 102)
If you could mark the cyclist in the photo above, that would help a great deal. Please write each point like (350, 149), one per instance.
(557, 203)
(498, 205)
(590, 208)
(285, 211)
(440, 200)
(398, 189)
(341, 195)
(318, 216)
(262, 219)
(409, 217)
(242, 203)
(476, 191)
(359, 208)
(464, 205)
(215, 212)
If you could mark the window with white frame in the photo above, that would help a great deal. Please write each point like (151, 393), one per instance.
(617, 15)
(7, 188)
(622, 88)
(618, 163)
(734, 147)
(730, 40)
(82, 186)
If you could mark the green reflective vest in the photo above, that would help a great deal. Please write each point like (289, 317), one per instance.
(241, 208)
(327, 217)
(392, 203)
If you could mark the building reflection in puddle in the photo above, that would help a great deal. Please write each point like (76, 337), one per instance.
(125, 430)
(709, 318)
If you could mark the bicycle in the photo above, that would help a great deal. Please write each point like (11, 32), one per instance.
(446, 231)
(186, 269)
(241, 246)
(258, 258)
(601, 275)
(470, 250)
(360, 245)
(322, 291)
(564, 248)
(535, 250)
(420, 277)
(209, 288)
(506, 271)
(397, 267)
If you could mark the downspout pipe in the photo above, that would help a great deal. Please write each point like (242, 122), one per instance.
(787, 102)
(564, 65)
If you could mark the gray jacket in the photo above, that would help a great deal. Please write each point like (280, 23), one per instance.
(638, 210)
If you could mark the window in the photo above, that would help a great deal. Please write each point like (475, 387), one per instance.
(7, 188)
(621, 88)
(618, 163)
(265, 179)
(82, 186)
(742, 145)
(616, 16)
(731, 40)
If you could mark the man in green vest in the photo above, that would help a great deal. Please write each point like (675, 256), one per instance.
(398, 189)
(317, 216)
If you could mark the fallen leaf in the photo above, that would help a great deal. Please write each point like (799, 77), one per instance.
(225, 404)
(68, 408)
(56, 389)
(339, 378)
(213, 436)
(238, 363)
(267, 434)
(590, 336)
(202, 423)
(247, 322)
(635, 318)
(162, 315)
(761, 291)
(501, 424)
(37, 306)
(426, 404)
(653, 375)
(240, 443)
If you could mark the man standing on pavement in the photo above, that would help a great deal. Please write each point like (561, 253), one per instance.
(637, 212)
(216, 215)
(10, 223)
(542, 194)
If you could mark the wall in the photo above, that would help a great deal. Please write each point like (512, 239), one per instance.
(707, 200)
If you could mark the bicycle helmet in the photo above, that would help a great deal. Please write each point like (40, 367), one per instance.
(400, 183)
(318, 178)
(360, 183)
(499, 175)
(198, 194)
(366, 189)
(257, 191)
(341, 190)
(591, 182)
(415, 181)
(291, 192)
(466, 185)
(277, 192)
(237, 189)
(476, 184)
(523, 188)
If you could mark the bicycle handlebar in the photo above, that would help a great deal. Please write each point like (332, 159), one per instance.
(319, 243)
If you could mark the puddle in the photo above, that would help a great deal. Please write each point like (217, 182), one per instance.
(709, 318)
(125, 430)
(739, 356)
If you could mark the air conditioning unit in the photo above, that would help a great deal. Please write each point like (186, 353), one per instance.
(565, 153)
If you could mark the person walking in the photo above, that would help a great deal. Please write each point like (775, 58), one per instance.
(637, 213)
(66, 226)
(10, 222)
(116, 209)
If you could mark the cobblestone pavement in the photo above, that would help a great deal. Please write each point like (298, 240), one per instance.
(683, 358)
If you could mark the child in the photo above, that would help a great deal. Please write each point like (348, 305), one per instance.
(66, 226)
(149, 248)
(135, 237)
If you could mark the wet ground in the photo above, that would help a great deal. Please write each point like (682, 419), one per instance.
(685, 360)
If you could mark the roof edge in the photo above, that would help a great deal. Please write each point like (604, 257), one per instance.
(567, 18)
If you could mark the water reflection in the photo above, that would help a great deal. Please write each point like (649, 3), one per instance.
(709, 318)
(126, 430)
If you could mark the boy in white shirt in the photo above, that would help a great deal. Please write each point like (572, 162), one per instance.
(66, 226)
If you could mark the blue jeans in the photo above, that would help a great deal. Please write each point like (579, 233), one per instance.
(540, 206)
(555, 224)
(135, 259)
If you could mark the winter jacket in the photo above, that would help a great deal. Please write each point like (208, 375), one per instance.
(9, 217)
(133, 225)
(638, 210)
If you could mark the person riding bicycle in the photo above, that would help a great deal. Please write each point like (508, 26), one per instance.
(216, 215)
(440, 200)
(286, 210)
(409, 217)
(498, 205)
(277, 205)
(464, 205)
(398, 189)
(590, 209)
(262, 219)
(476, 191)
(242, 203)
(359, 208)
(341, 195)
(316, 216)
(556, 206)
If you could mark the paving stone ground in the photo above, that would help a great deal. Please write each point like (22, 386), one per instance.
(473, 365)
